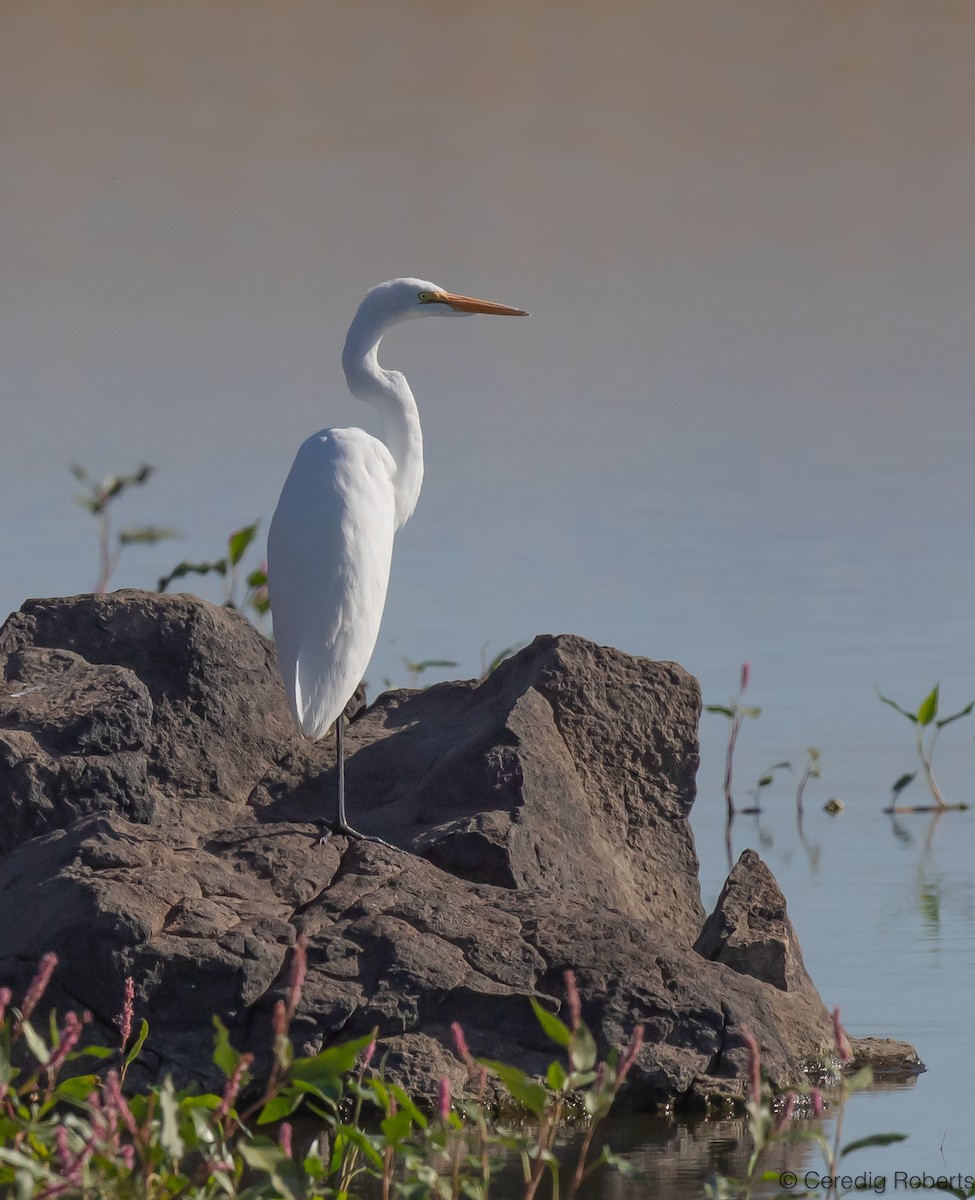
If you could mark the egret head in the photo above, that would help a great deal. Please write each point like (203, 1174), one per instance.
(401, 299)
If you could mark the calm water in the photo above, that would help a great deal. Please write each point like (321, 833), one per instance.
(738, 425)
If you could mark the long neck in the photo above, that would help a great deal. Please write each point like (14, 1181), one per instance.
(390, 393)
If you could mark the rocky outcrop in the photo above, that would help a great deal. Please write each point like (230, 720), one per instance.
(157, 818)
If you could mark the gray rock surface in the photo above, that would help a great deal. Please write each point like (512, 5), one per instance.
(156, 819)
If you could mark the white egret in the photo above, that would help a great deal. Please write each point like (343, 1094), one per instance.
(331, 538)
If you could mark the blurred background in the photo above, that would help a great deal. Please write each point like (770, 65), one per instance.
(737, 426)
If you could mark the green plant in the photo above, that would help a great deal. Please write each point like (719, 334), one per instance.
(98, 499)
(736, 712)
(255, 596)
(771, 1120)
(81, 1136)
(416, 669)
(812, 770)
(489, 666)
(765, 780)
(926, 718)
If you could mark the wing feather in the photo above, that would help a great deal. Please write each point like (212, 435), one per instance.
(329, 549)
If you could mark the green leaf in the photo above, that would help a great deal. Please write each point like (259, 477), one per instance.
(556, 1077)
(581, 1079)
(405, 1102)
(238, 542)
(900, 784)
(335, 1060)
(187, 568)
(169, 1135)
(748, 711)
(625, 1167)
(78, 1087)
(146, 535)
(894, 705)
(521, 1087)
(327, 1088)
(416, 668)
(93, 1052)
(583, 1052)
(723, 709)
(139, 1042)
(955, 716)
(284, 1052)
(264, 1155)
(876, 1139)
(554, 1028)
(279, 1107)
(929, 708)
(35, 1042)
(500, 657)
(398, 1127)
(859, 1080)
(224, 1055)
(349, 1133)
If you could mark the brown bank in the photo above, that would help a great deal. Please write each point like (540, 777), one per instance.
(156, 810)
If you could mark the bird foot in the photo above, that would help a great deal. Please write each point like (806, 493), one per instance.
(330, 828)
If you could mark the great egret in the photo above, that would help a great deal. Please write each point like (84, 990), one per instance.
(331, 538)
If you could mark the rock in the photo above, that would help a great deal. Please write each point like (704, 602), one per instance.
(157, 809)
(750, 930)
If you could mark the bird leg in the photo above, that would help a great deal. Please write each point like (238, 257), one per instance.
(341, 825)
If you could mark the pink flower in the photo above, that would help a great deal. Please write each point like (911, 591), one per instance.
(745, 673)
(785, 1113)
(128, 1009)
(279, 1019)
(572, 999)
(68, 1040)
(233, 1086)
(445, 1098)
(117, 1104)
(45, 969)
(843, 1050)
(636, 1044)
(460, 1044)
(754, 1067)
(296, 979)
(284, 1137)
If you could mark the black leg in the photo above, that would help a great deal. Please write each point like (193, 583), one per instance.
(342, 826)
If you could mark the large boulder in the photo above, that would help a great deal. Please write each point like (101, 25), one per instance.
(157, 819)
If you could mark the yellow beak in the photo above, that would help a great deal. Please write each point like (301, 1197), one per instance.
(467, 304)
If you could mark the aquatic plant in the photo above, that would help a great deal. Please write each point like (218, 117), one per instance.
(736, 713)
(416, 669)
(812, 770)
(926, 718)
(255, 596)
(98, 499)
(772, 1120)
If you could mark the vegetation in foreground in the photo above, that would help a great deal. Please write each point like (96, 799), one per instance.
(81, 1136)
(331, 1126)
